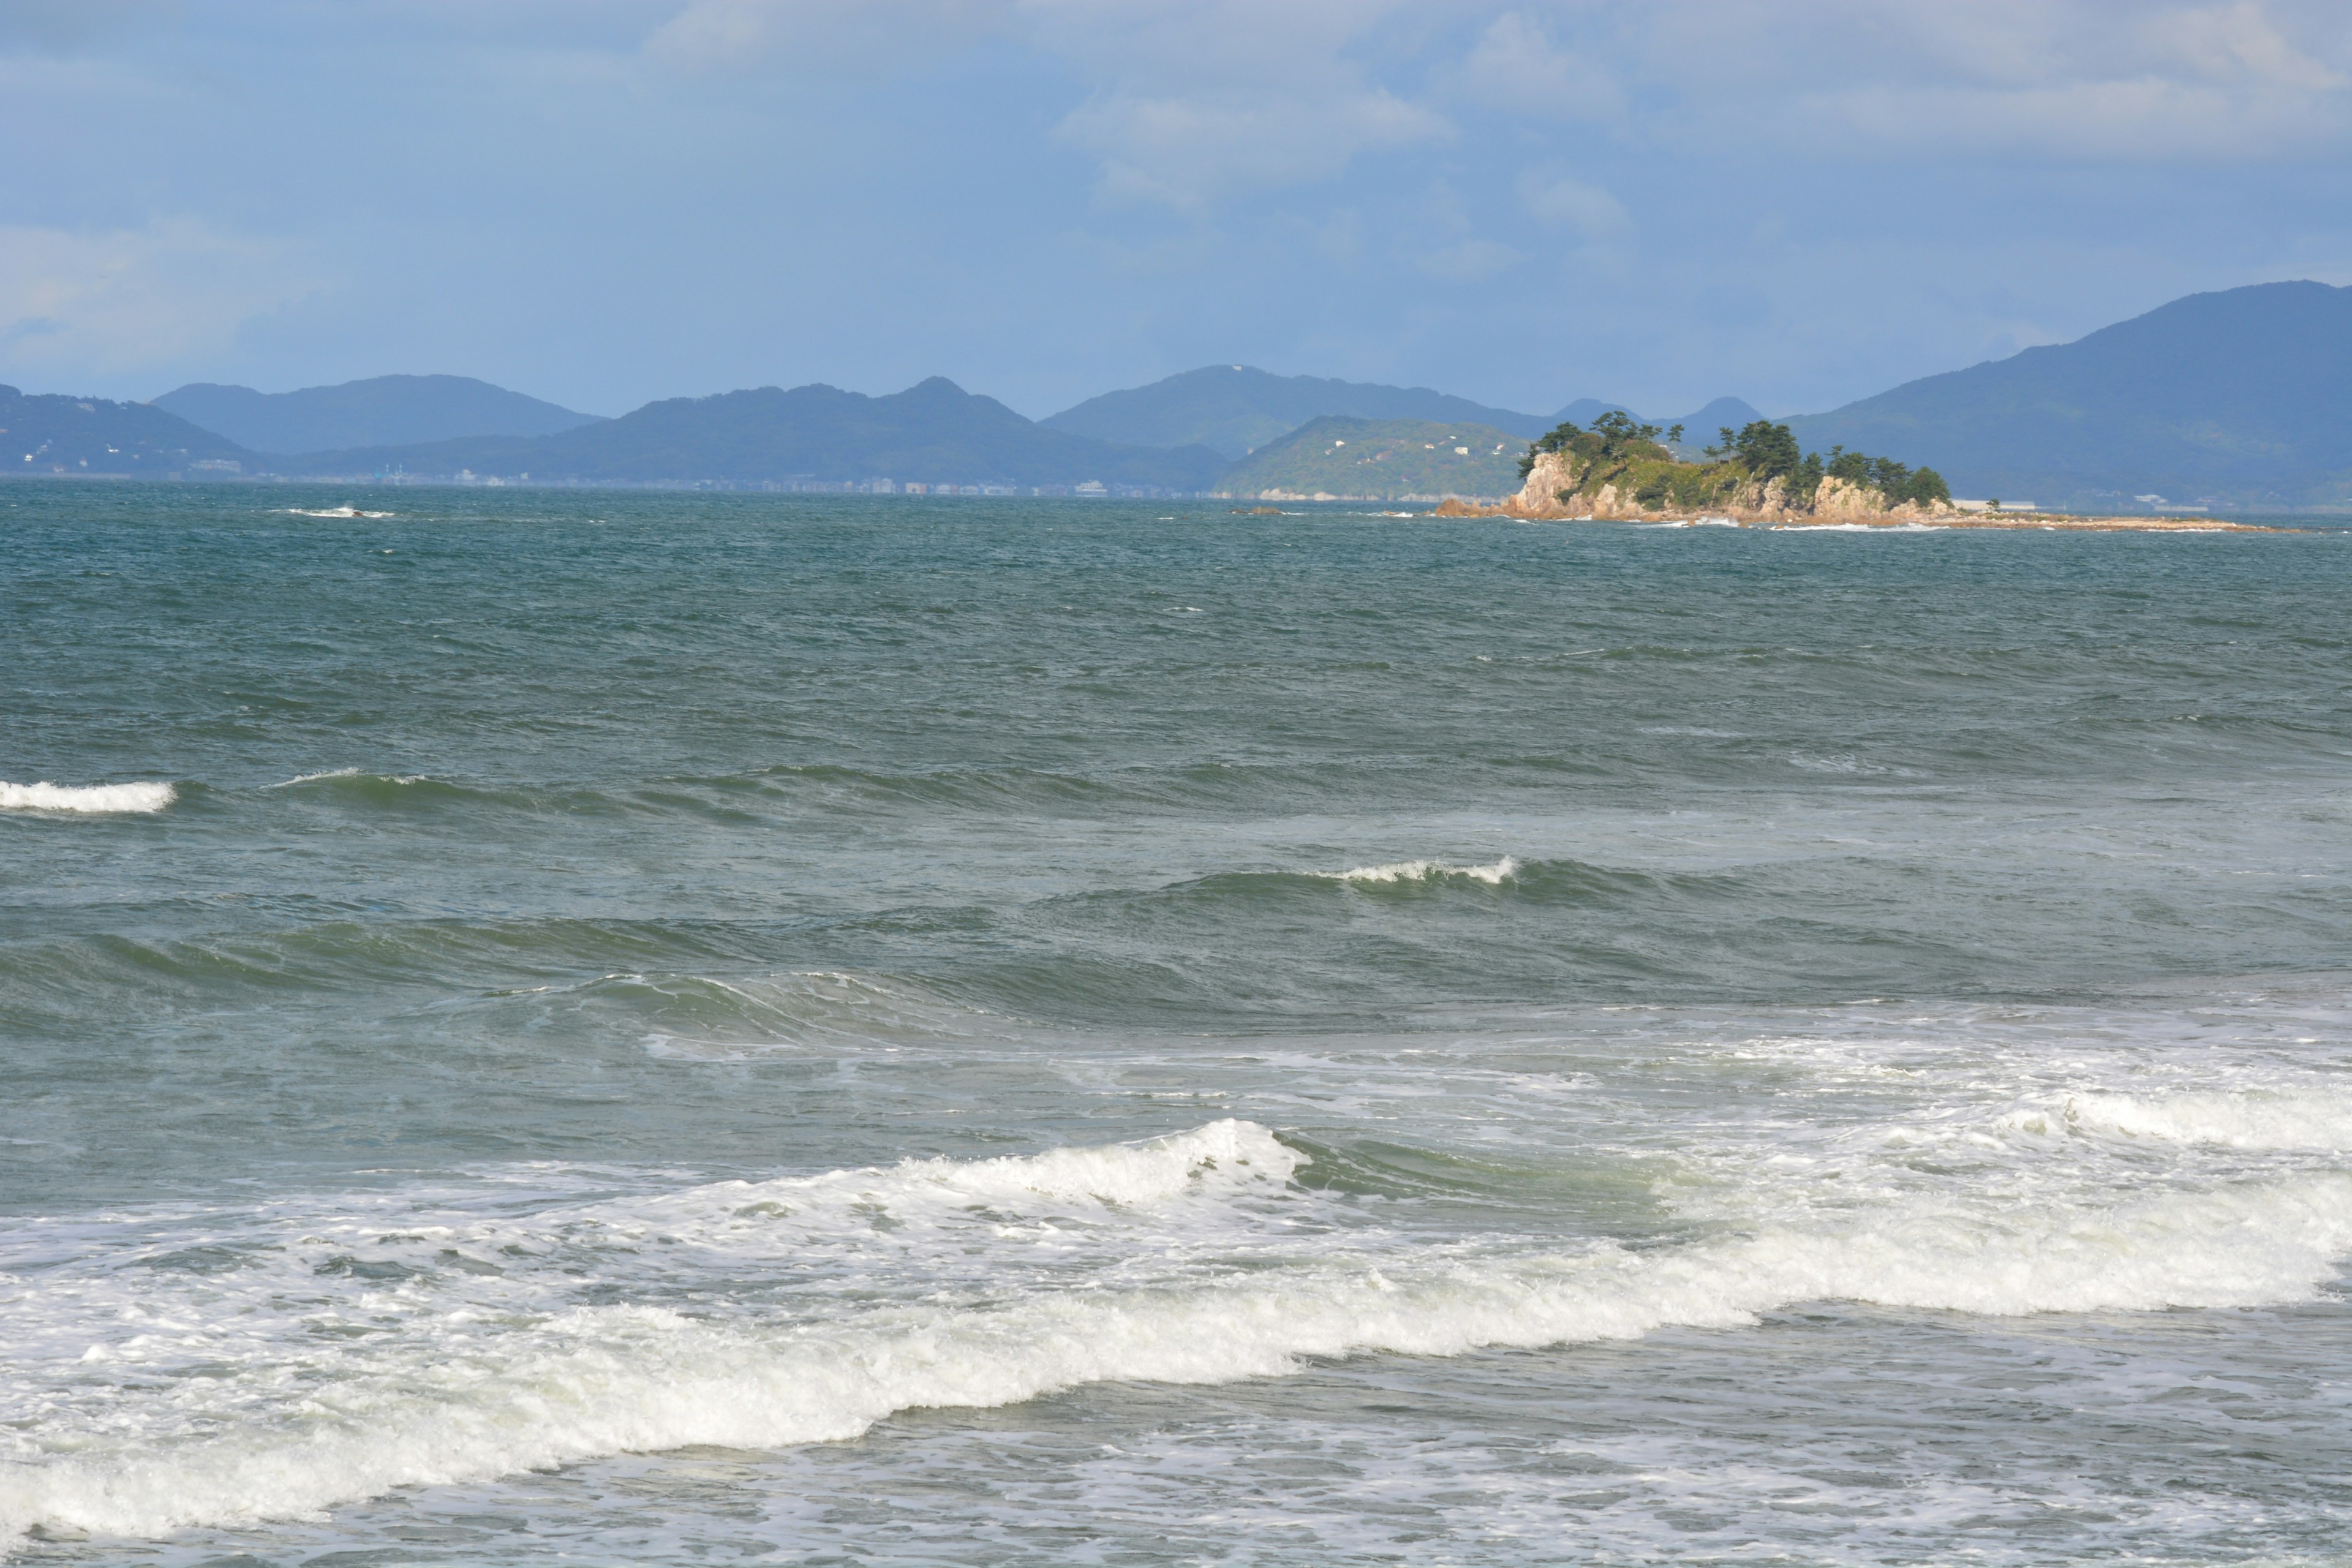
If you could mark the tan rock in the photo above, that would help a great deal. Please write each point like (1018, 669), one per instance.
(1843, 501)
(1539, 496)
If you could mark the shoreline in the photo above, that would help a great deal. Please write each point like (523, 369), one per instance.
(2055, 522)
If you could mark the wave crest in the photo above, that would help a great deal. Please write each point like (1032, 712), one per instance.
(469, 1396)
(85, 798)
(1494, 873)
(2320, 1120)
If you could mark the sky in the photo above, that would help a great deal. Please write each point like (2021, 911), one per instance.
(1654, 202)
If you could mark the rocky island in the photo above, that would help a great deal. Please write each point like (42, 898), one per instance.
(1620, 468)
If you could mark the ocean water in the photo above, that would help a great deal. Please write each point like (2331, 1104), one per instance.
(568, 1027)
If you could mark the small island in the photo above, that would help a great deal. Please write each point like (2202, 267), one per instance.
(1758, 475)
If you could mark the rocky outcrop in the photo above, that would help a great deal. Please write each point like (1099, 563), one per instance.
(1553, 491)
(1841, 501)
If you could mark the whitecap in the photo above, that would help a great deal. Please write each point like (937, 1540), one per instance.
(85, 798)
(347, 774)
(452, 1396)
(1492, 873)
(2318, 1118)
(1861, 528)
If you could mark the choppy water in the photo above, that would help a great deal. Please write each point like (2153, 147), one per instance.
(560, 1027)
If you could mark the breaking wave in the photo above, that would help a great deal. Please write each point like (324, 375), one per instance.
(1494, 873)
(85, 798)
(2257, 1120)
(444, 1390)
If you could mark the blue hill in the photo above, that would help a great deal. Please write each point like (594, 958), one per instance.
(1233, 409)
(44, 435)
(2241, 399)
(383, 411)
(930, 433)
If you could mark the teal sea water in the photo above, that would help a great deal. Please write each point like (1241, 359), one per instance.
(569, 1027)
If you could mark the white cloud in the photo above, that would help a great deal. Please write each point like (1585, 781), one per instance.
(1591, 212)
(100, 303)
(810, 37)
(1516, 65)
(2139, 120)
(1194, 102)
(1188, 151)
(1183, 101)
(2242, 42)
(2068, 80)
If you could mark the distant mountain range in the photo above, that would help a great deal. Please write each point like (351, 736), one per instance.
(383, 411)
(1233, 409)
(2241, 398)
(1236, 409)
(1378, 460)
(931, 433)
(1698, 429)
(43, 435)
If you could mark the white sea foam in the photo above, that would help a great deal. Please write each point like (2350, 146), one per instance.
(85, 798)
(1217, 1159)
(346, 773)
(1861, 528)
(437, 1391)
(333, 512)
(1494, 873)
(2320, 1120)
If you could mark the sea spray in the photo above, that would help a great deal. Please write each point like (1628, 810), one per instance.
(87, 799)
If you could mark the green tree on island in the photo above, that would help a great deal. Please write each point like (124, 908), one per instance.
(1620, 447)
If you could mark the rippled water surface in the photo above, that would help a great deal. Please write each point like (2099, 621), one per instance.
(570, 1027)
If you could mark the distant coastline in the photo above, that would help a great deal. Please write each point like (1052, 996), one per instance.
(1446, 506)
(2150, 417)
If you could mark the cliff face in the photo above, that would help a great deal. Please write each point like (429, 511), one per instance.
(1836, 499)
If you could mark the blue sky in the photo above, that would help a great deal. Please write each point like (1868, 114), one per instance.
(1658, 203)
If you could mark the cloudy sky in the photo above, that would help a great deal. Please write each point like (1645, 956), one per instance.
(1657, 201)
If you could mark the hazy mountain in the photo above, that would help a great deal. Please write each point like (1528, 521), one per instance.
(44, 435)
(1723, 412)
(933, 432)
(1233, 409)
(1383, 459)
(383, 411)
(2241, 398)
(1701, 426)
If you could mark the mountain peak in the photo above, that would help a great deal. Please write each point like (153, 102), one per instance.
(380, 411)
(1234, 409)
(2239, 396)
